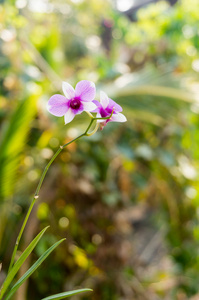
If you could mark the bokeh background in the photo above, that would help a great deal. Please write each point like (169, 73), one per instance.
(126, 199)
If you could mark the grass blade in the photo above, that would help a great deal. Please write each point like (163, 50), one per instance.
(12, 139)
(32, 269)
(66, 294)
(19, 262)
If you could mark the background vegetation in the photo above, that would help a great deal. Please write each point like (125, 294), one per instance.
(127, 198)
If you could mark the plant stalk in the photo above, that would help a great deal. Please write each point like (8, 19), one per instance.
(36, 195)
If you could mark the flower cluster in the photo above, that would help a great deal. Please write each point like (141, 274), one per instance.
(82, 98)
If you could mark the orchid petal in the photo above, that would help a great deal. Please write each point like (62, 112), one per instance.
(68, 90)
(104, 100)
(89, 106)
(69, 116)
(85, 90)
(57, 105)
(113, 104)
(118, 118)
(98, 106)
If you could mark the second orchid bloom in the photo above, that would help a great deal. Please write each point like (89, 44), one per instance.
(82, 98)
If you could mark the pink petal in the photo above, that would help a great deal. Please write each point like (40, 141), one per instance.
(118, 118)
(68, 90)
(104, 100)
(57, 105)
(69, 116)
(98, 106)
(117, 107)
(85, 90)
(89, 106)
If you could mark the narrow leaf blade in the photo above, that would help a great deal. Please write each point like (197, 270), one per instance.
(32, 269)
(13, 139)
(66, 294)
(19, 262)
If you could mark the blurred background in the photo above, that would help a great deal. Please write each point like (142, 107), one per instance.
(126, 199)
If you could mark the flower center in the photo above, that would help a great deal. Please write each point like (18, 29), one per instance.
(75, 104)
(103, 113)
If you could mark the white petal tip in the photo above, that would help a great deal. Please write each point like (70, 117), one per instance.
(69, 116)
(118, 118)
(68, 90)
(104, 100)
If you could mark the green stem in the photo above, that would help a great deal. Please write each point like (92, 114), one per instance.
(89, 126)
(20, 234)
(36, 195)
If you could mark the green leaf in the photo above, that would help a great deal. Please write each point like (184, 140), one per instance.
(19, 262)
(66, 294)
(13, 138)
(32, 269)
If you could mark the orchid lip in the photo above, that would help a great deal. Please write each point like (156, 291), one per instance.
(75, 104)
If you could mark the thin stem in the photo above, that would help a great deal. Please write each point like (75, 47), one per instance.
(89, 126)
(94, 131)
(45, 171)
(36, 195)
(65, 145)
(90, 115)
(20, 234)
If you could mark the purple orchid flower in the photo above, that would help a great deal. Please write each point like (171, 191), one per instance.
(104, 109)
(75, 101)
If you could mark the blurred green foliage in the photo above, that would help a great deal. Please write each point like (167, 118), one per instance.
(127, 198)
